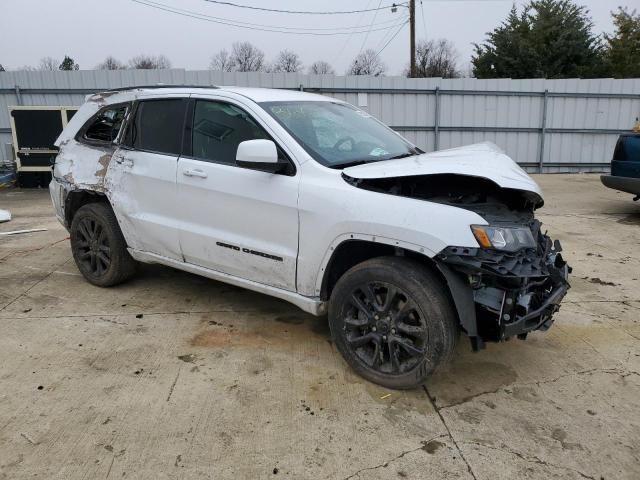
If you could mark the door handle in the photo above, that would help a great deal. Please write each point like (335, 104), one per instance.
(188, 172)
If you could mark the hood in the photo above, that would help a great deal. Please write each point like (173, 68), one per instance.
(484, 160)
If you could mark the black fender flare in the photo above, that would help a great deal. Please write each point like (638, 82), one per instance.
(462, 296)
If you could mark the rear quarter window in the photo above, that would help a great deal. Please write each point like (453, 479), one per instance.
(105, 126)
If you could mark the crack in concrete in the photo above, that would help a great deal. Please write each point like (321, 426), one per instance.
(33, 286)
(528, 458)
(33, 249)
(437, 410)
(148, 314)
(397, 457)
(173, 385)
(625, 302)
(622, 373)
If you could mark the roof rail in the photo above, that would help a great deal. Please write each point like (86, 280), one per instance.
(159, 85)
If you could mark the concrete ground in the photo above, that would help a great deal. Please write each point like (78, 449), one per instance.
(176, 376)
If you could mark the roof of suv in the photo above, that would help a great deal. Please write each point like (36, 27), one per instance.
(256, 94)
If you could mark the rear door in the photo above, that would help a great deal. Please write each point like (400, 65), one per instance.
(237, 221)
(141, 178)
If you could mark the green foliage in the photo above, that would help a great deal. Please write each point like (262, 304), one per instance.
(68, 64)
(548, 39)
(623, 47)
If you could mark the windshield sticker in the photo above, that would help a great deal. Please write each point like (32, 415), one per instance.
(378, 152)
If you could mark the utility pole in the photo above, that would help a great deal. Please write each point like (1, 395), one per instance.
(412, 37)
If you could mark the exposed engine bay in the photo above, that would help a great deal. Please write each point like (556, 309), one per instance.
(499, 294)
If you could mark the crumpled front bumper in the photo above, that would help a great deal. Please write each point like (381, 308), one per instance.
(500, 295)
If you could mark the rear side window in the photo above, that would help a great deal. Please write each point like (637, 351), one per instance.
(158, 126)
(218, 129)
(105, 126)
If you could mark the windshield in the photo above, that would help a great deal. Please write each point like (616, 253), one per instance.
(337, 134)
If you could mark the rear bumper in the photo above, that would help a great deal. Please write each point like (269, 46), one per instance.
(624, 184)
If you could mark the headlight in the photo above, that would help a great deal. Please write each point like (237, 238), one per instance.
(509, 239)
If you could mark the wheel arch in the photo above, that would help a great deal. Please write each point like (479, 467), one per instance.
(351, 249)
(78, 198)
(356, 249)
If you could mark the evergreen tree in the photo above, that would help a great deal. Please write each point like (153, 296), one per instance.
(68, 64)
(623, 47)
(549, 39)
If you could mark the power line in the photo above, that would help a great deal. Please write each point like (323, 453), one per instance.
(391, 39)
(424, 24)
(254, 26)
(370, 26)
(392, 23)
(302, 12)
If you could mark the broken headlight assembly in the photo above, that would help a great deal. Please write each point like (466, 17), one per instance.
(508, 239)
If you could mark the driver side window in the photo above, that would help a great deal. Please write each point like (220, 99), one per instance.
(218, 129)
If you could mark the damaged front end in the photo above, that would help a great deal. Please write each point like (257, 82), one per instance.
(513, 293)
(514, 281)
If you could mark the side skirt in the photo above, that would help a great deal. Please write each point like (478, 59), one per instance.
(312, 305)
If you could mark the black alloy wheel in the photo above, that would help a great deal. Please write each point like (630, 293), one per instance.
(93, 247)
(384, 328)
(393, 321)
(98, 246)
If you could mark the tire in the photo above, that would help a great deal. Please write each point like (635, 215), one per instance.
(98, 246)
(393, 321)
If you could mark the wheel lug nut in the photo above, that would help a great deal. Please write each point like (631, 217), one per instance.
(393, 330)
(373, 329)
(384, 337)
(376, 317)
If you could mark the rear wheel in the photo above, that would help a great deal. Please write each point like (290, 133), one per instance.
(393, 322)
(98, 247)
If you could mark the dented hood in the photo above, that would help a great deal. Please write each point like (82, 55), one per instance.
(485, 160)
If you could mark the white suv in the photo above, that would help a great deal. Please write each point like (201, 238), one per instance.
(314, 201)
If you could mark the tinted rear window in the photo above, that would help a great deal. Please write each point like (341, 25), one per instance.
(158, 126)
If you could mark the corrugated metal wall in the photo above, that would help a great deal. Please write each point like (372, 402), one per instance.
(568, 125)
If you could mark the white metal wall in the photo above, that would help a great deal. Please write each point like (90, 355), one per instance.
(581, 121)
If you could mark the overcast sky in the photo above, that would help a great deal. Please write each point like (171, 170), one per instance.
(89, 30)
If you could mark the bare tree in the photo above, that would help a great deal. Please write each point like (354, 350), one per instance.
(321, 68)
(48, 64)
(246, 57)
(222, 61)
(287, 61)
(436, 58)
(1, 68)
(26, 68)
(367, 63)
(149, 62)
(110, 63)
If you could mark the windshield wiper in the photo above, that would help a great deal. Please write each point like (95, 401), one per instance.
(353, 163)
(402, 155)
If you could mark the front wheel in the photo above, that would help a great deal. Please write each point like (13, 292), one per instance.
(393, 321)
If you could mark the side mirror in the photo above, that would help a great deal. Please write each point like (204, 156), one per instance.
(259, 155)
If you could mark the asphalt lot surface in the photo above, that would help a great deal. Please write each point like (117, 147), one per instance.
(175, 376)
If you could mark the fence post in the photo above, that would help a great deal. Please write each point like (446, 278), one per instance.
(436, 123)
(543, 131)
(18, 94)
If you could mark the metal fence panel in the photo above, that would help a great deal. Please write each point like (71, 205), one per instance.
(572, 127)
